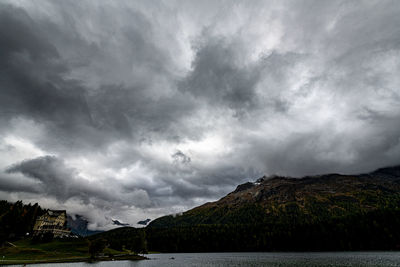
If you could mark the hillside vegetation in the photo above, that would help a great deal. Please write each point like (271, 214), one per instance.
(326, 212)
(307, 200)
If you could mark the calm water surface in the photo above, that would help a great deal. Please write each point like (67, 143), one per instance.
(255, 259)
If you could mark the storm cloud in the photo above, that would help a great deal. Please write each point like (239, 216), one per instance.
(128, 110)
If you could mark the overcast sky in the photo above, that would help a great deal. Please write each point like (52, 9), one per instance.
(136, 109)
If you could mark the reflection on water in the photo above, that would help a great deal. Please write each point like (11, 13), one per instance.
(255, 259)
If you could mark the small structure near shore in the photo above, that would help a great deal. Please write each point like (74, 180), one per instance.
(53, 222)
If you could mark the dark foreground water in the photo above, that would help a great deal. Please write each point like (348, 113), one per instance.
(255, 259)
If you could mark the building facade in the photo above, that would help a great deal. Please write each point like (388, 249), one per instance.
(53, 221)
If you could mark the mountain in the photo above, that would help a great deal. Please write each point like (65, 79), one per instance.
(79, 226)
(309, 198)
(144, 222)
(116, 222)
(313, 213)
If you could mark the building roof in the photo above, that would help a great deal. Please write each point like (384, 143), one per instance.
(56, 213)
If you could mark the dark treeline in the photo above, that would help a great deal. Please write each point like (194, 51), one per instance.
(17, 219)
(375, 230)
(130, 238)
(290, 231)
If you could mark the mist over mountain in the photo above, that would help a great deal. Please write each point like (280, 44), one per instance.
(79, 226)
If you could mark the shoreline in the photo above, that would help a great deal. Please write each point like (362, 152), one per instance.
(74, 259)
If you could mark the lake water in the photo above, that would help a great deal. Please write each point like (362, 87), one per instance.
(255, 259)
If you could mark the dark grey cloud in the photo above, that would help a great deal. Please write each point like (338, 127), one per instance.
(36, 84)
(33, 82)
(150, 108)
(12, 184)
(218, 75)
(58, 180)
(221, 77)
(180, 157)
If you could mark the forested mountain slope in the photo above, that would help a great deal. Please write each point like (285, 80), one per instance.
(308, 199)
(319, 213)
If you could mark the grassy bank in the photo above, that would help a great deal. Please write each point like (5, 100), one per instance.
(26, 252)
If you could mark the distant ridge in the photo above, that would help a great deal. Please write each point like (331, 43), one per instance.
(79, 226)
(144, 222)
(312, 196)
